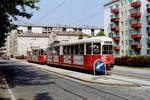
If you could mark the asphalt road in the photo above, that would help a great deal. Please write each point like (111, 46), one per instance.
(28, 83)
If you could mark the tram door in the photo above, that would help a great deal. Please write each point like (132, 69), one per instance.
(35, 55)
(55, 53)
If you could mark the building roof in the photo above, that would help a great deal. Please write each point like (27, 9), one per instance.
(62, 26)
(111, 2)
(32, 35)
(70, 33)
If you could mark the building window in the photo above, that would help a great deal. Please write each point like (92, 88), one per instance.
(92, 32)
(74, 29)
(122, 52)
(122, 13)
(111, 7)
(80, 29)
(122, 24)
(122, 33)
(122, 43)
(116, 6)
(130, 52)
(126, 52)
(126, 42)
(148, 51)
(29, 29)
(126, 23)
(130, 21)
(63, 29)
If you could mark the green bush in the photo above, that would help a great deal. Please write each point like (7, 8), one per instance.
(137, 61)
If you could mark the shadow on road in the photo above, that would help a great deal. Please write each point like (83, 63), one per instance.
(20, 75)
(42, 96)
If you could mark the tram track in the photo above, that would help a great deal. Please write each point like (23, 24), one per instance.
(100, 90)
(131, 75)
(68, 91)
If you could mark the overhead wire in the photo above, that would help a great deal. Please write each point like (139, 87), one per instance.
(52, 10)
(88, 17)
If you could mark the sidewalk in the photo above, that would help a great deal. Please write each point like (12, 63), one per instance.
(98, 79)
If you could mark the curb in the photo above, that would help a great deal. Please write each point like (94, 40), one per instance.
(89, 81)
(102, 83)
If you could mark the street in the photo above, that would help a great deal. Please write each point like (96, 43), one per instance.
(29, 83)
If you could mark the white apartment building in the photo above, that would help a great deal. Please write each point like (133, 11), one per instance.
(127, 22)
(25, 37)
(43, 29)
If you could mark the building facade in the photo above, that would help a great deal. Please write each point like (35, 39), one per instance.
(128, 26)
(17, 44)
(25, 37)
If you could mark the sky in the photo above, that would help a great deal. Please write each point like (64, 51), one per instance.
(68, 12)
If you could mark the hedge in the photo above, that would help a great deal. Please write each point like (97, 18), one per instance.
(137, 61)
(21, 57)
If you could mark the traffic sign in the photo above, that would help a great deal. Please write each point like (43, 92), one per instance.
(99, 65)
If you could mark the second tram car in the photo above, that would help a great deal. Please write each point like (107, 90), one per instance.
(37, 55)
(91, 54)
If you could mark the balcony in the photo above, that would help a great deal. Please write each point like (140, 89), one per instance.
(115, 10)
(116, 48)
(115, 20)
(116, 29)
(137, 25)
(136, 4)
(136, 36)
(148, 10)
(116, 38)
(136, 46)
(148, 33)
(148, 22)
(136, 14)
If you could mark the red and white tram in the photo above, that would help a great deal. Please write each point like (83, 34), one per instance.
(37, 55)
(91, 53)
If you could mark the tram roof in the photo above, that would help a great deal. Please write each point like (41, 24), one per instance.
(86, 40)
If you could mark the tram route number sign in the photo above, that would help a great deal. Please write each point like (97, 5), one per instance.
(99, 65)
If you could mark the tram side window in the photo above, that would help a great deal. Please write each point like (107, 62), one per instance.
(81, 49)
(35, 52)
(57, 50)
(72, 49)
(88, 48)
(50, 51)
(96, 48)
(64, 50)
(107, 49)
(76, 49)
(68, 50)
(41, 52)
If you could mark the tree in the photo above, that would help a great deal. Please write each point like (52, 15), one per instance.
(9, 11)
(80, 36)
(101, 33)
